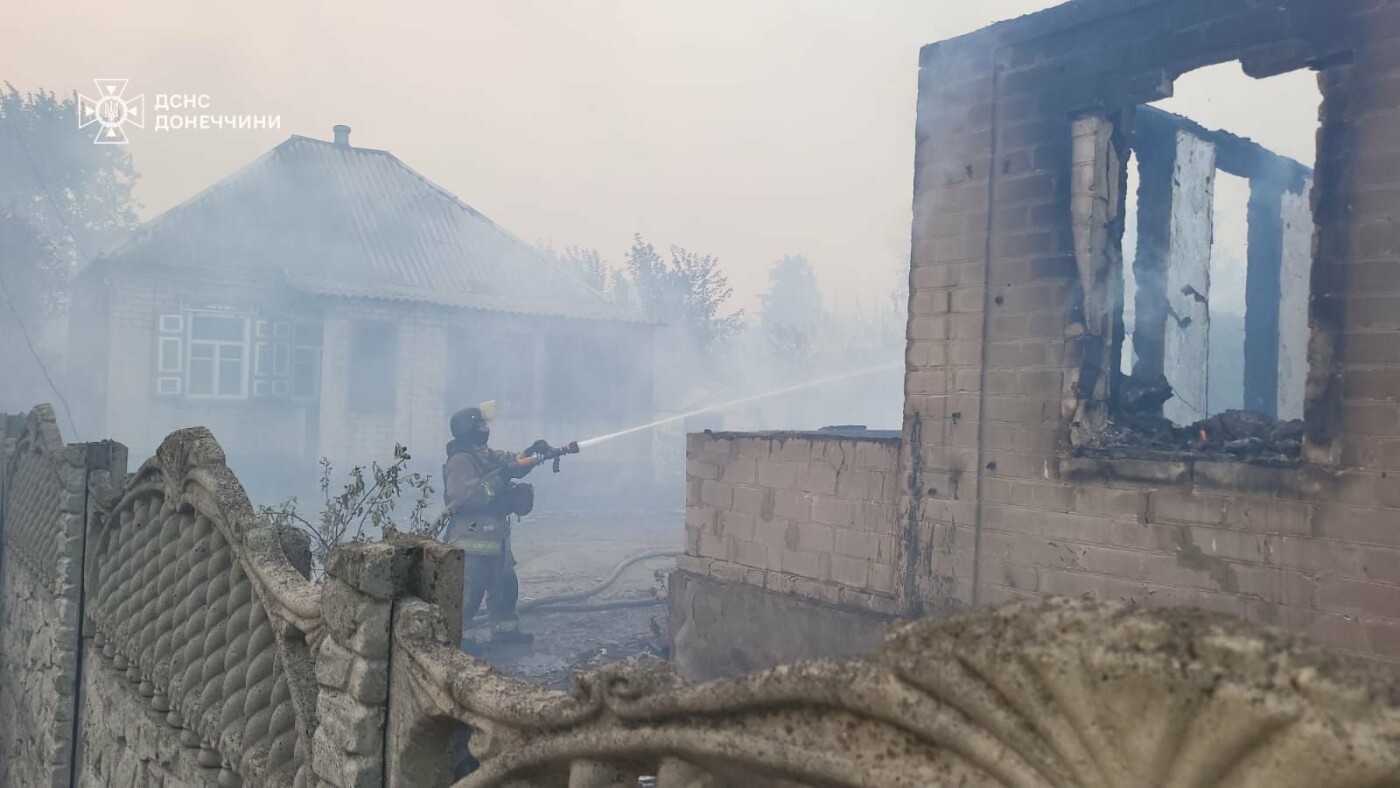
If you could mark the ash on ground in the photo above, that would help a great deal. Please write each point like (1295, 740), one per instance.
(559, 553)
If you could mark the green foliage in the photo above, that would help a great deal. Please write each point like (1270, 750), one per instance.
(364, 503)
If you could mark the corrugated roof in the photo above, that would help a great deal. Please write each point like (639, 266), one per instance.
(358, 223)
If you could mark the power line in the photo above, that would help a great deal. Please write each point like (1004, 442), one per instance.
(77, 247)
(5, 290)
(48, 197)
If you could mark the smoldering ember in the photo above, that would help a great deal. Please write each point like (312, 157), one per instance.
(707, 459)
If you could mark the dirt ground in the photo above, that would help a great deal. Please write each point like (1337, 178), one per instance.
(570, 551)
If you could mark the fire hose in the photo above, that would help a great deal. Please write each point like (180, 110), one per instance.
(554, 602)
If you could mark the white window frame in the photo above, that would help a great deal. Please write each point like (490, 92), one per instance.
(262, 359)
(245, 346)
(169, 362)
(177, 356)
(281, 359)
(172, 324)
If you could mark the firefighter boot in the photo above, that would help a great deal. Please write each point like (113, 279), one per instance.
(475, 636)
(508, 632)
(505, 623)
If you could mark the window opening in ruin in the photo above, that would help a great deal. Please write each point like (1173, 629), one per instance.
(1216, 265)
(1229, 267)
(1130, 230)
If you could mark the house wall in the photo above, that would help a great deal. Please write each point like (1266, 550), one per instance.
(617, 473)
(418, 418)
(264, 440)
(275, 445)
(997, 338)
(427, 337)
(790, 549)
(1000, 492)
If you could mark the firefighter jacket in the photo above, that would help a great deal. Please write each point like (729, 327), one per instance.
(477, 489)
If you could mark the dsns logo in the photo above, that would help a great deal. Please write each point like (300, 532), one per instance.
(111, 110)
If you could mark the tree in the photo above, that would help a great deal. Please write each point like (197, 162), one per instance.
(706, 290)
(687, 290)
(656, 290)
(75, 193)
(62, 200)
(792, 307)
(33, 276)
(591, 269)
(586, 264)
(31, 284)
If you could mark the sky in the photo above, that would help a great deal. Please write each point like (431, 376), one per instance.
(747, 130)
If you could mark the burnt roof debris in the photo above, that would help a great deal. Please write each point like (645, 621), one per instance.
(1232, 435)
(1236, 155)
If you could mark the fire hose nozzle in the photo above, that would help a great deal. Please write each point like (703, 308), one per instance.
(569, 448)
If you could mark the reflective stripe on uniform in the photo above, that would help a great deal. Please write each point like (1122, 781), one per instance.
(479, 546)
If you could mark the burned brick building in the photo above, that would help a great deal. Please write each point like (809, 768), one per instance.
(1059, 435)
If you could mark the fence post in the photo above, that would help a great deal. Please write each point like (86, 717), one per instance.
(352, 667)
(423, 751)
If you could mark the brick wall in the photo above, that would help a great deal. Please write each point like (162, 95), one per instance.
(1000, 508)
(417, 419)
(809, 514)
(118, 392)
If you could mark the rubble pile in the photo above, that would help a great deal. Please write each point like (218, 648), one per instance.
(1235, 433)
(1239, 434)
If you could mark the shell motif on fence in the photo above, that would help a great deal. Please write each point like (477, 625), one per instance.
(194, 597)
(1056, 693)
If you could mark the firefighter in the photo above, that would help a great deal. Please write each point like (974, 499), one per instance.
(481, 493)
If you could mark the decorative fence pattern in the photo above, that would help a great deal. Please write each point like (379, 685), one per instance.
(1044, 694)
(41, 523)
(43, 520)
(195, 599)
(202, 613)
